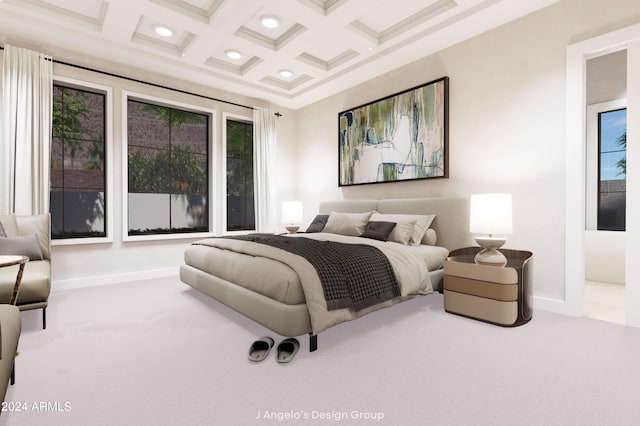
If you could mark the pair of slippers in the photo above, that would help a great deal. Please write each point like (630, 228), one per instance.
(285, 351)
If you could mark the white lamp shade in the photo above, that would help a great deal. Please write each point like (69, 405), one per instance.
(490, 214)
(292, 211)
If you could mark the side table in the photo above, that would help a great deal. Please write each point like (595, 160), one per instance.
(498, 295)
(10, 260)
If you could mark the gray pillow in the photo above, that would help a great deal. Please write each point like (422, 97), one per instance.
(318, 223)
(377, 230)
(27, 246)
(2, 232)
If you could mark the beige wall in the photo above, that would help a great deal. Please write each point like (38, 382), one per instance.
(507, 125)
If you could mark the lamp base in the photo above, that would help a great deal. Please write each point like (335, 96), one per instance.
(292, 228)
(490, 255)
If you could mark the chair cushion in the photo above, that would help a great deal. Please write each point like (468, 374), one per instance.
(36, 279)
(10, 326)
(34, 287)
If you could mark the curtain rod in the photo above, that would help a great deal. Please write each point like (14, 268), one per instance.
(135, 80)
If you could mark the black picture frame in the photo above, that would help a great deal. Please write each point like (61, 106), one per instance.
(401, 137)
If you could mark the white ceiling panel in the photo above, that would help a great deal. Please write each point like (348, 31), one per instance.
(201, 4)
(402, 10)
(329, 45)
(88, 8)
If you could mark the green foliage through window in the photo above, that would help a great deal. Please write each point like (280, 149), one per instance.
(240, 193)
(78, 192)
(167, 169)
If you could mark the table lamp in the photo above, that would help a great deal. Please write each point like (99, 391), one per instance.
(490, 214)
(292, 214)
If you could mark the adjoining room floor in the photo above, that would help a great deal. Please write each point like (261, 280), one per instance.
(604, 301)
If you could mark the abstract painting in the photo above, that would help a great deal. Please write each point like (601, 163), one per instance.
(397, 138)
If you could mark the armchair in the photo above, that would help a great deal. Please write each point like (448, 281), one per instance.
(36, 279)
(10, 327)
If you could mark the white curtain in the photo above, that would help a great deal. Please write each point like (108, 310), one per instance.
(27, 81)
(265, 142)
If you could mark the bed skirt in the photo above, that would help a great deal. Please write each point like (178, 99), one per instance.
(286, 320)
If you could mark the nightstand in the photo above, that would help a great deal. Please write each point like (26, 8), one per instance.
(498, 295)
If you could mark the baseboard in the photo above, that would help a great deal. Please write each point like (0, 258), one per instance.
(552, 305)
(84, 282)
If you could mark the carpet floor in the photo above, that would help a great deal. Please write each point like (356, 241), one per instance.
(160, 353)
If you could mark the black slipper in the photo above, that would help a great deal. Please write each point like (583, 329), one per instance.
(287, 350)
(260, 349)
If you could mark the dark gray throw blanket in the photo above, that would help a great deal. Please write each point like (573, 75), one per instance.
(352, 275)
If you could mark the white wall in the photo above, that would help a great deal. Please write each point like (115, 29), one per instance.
(632, 267)
(507, 125)
(604, 256)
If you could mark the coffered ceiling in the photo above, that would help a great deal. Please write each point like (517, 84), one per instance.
(327, 45)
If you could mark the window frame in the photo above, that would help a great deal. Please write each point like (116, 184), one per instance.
(211, 160)
(592, 170)
(108, 163)
(222, 225)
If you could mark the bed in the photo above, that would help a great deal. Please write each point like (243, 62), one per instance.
(289, 298)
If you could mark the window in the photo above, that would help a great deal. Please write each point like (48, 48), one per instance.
(167, 169)
(605, 197)
(239, 175)
(78, 172)
(612, 166)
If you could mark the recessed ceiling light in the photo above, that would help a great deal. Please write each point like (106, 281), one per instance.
(269, 21)
(163, 30)
(233, 54)
(285, 73)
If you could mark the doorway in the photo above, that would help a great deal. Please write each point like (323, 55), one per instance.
(577, 233)
(605, 187)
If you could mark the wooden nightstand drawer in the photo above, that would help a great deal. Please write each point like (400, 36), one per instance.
(490, 310)
(502, 292)
(499, 295)
(461, 267)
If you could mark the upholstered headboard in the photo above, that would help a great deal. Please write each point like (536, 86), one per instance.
(451, 222)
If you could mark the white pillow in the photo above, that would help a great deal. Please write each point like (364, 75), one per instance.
(402, 232)
(430, 237)
(352, 224)
(422, 223)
